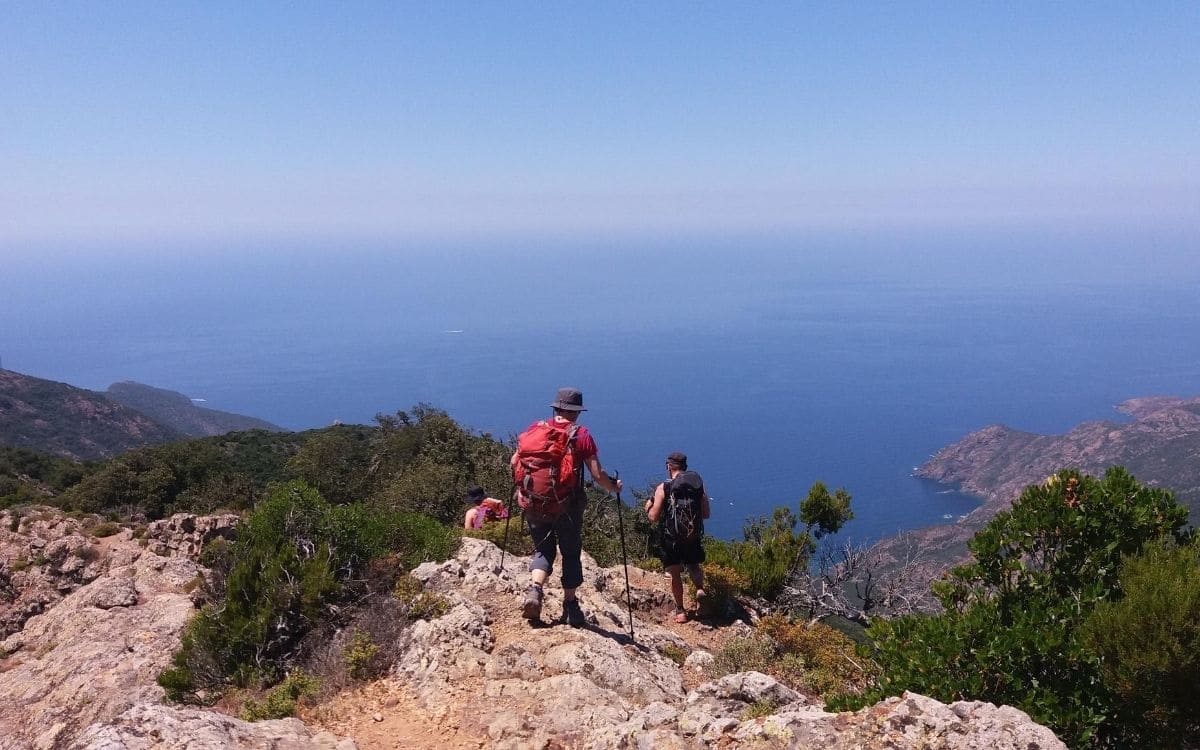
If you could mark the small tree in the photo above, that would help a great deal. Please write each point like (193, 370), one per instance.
(772, 550)
(1010, 633)
(1149, 646)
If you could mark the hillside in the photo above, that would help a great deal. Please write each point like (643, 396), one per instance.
(71, 422)
(1160, 445)
(178, 412)
(93, 621)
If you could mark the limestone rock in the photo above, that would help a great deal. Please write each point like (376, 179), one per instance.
(593, 688)
(185, 534)
(44, 556)
(153, 726)
(93, 654)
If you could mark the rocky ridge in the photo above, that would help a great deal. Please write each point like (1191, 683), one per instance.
(89, 625)
(1160, 445)
(492, 680)
(179, 412)
(80, 672)
(71, 422)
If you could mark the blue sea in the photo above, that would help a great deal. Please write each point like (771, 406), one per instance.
(772, 362)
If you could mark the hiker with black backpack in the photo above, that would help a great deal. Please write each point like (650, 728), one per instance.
(679, 507)
(548, 473)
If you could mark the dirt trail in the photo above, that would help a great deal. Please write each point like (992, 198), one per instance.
(384, 716)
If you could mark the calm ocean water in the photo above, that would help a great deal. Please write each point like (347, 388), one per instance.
(771, 367)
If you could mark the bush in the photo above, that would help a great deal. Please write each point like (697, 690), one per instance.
(652, 564)
(295, 562)
(773, 550)
(419, 604)
(360, 656)
(1149, 647)
(817, 657)
(677, 654)
(280, 701)
(602, 529)
(759, 709)
(722, 585)
(1011, 631)
(756, 652)
(107, 528)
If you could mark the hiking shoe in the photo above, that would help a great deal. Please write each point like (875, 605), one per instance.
(531, 605)
(573, 614)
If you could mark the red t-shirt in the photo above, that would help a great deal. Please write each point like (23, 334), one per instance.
(584, 446)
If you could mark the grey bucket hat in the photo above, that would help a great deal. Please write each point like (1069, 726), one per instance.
(569, 399)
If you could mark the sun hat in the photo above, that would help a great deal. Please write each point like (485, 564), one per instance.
(569, 399)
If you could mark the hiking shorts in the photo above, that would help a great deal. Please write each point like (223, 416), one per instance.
(681, 552)
(565, 534)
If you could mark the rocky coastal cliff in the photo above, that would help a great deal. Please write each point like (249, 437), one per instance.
(90, 622)
(1160, 445)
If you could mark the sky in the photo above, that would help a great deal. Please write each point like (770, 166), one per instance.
(188, 123)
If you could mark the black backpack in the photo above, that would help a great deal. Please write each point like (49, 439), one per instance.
(683, 517)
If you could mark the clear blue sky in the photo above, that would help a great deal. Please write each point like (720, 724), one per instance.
(185, 121)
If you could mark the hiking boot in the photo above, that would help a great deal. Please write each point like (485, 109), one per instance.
(573, 614)
(531, 606)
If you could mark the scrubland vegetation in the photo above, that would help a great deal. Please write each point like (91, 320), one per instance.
(1079, 605)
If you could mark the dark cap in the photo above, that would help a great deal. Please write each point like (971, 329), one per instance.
(476, 494)
(569, 399)
(678, 459)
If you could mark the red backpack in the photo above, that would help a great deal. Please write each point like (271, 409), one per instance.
(545, 471)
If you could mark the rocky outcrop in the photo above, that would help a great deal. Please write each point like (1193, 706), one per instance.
(81, 673)
(44, 556)
(150, 726)
(185, 534)
(1160, 446)
(104, 620)
(596, 688)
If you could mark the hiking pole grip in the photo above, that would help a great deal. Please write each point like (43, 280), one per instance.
(624, 557)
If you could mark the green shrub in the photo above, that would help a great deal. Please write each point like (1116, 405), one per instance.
(419, 604)
(1149, 647)
(281, 700)
(677, 654)
(722, 585)
(759, 709)
(755, 652)
(295, 561)
(107, 528)
(652, 564)
(773, 550)
(602, 529)
(817, 657)
(1011, 632)
(360, 656)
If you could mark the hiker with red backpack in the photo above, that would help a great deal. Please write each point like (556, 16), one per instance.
(548, 473)
(679, 507)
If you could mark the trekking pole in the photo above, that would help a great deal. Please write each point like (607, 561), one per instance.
(504, 544)
(624, 559)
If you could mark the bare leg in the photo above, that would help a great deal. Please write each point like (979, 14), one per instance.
(676, 586)
(697, 574)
